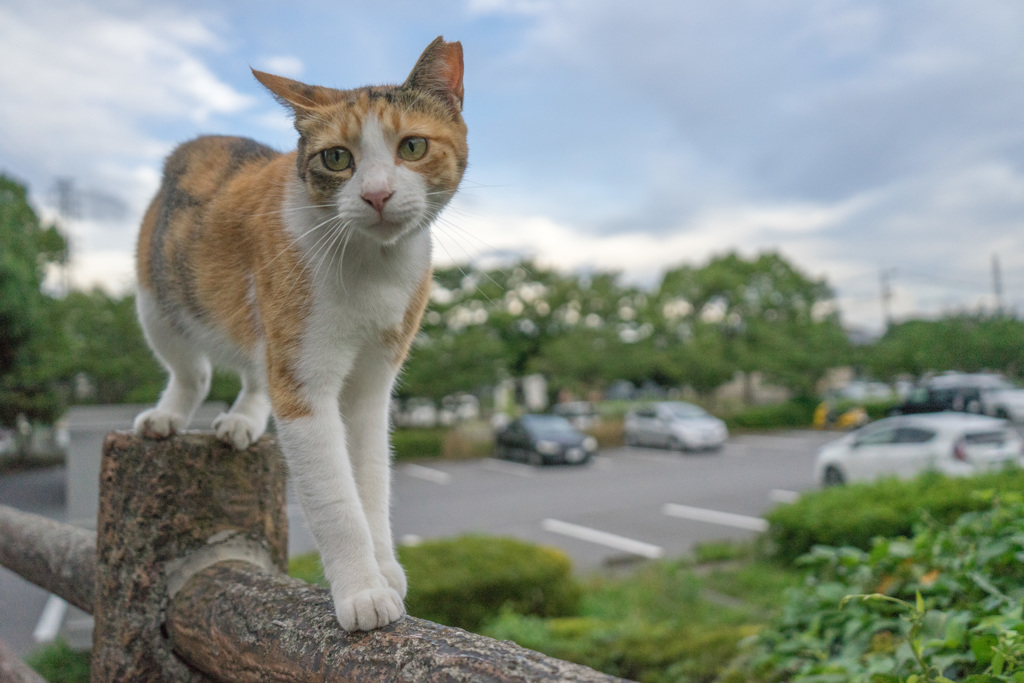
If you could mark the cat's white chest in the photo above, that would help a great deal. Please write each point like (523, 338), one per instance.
(369, 289)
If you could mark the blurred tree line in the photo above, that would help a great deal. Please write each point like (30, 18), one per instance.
(698, 327)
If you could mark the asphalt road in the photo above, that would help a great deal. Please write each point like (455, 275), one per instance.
(627, 504)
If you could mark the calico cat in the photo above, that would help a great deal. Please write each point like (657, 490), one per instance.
(308, 273)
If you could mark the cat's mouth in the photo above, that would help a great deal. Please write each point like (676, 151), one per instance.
(389, 231)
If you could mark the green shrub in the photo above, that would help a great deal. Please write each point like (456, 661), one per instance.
(792, 414)
(657, 624)
(944, 605)
(416, 444)
(467, 580)
(878, 409)
(854, 515)
(308, 568)
(58, 663)
(638, 650)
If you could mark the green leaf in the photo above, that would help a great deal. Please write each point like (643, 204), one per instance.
(998, 661)
(983, 647)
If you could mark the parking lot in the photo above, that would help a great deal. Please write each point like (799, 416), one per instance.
(627, 505)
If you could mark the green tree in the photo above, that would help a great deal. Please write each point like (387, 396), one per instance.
(968, 343)
(30, 355)
(106, 345)
(767, 315)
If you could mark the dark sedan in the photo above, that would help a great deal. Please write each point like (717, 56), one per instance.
(544, 439)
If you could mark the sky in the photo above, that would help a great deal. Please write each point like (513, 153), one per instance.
(860, 139)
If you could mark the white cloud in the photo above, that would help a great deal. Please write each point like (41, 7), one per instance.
(642, 256)
(85, 86)
(283, 65)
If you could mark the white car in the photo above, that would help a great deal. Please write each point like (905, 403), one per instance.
(676, 425)
(951, 443)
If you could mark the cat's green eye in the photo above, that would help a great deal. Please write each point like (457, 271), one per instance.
(336, 158)
(412, 148)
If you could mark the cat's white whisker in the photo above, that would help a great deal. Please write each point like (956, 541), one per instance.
(322, 245)
(301, 262)
(341, 260)
(287, 248)
(339, 234)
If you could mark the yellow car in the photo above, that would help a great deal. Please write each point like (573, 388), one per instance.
(827, 417)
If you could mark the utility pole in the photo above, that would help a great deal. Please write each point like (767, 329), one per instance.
(884, 275)
(997, 284)
(67, 206)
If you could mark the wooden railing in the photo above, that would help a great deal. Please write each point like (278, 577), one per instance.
(185, 577)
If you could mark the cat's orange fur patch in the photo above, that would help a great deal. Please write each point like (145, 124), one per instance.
(399, 339)
(213, 241)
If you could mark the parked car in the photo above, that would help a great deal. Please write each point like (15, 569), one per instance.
(544, 439)
(675, 425)
(984, 393)
(827, 416)
(948, 442)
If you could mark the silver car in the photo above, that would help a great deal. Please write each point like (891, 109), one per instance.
(676, 425)
(951, 443)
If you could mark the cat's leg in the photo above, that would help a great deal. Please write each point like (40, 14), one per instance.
(189, 371)
(366, 399)
(313, 436)
(247, 420)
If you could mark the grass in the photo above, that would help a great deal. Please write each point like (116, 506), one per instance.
(668, 621)
(58, 663)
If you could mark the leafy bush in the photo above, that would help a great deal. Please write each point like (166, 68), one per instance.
(466, 580)
(416, 444)
(943, 605)
(794, 413)
(637, 649)
(656, 625)
(881, 408)
(854, 515)
(58, 663)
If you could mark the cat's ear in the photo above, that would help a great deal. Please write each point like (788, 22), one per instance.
(439, 72)
(299, 97)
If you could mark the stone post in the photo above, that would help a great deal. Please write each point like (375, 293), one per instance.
(169, 509)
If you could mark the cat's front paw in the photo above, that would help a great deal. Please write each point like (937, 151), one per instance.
(158, 424)
(395, 576)
(368, 609)
(237, 430)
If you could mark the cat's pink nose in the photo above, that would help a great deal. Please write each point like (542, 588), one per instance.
(377, 198)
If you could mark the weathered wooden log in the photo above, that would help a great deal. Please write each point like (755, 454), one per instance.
(13, 670)
(167, 509)
(57, 557)
(188, 564)
(238, 624)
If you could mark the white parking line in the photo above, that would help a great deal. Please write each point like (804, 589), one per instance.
(715, 517)
(427, 474)
(602, 538)
(50, 620)
(783, 496)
